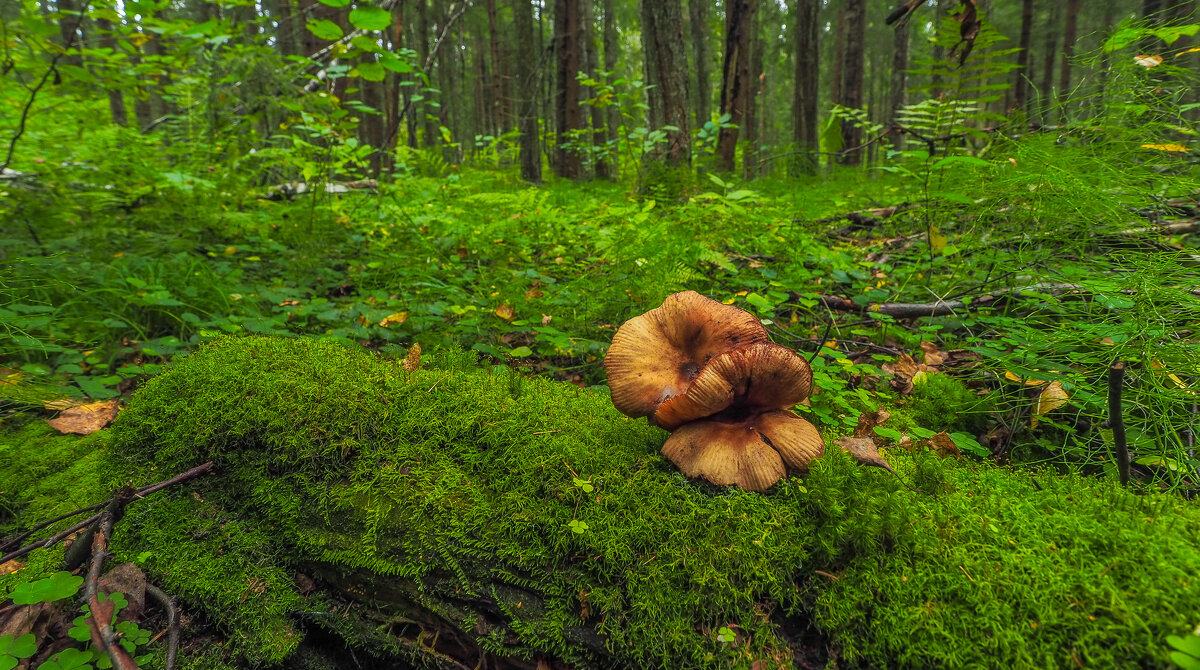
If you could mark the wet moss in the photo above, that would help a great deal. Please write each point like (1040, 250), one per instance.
(454, 486)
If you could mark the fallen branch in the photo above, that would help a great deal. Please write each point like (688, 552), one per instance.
(137, 494)
(100, 623)
(1116, 378)
(169, 605)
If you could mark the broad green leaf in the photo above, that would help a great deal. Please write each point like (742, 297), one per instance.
(57, 586)
(396, 64)
(335, 3)
(966, 160)
(367, 44)
(370, 18)
(325, 29)
(369, 71)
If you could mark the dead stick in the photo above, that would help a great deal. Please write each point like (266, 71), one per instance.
(103, 635)
(168, 603)
(1116, 376)
(202, 469)
(20, 538)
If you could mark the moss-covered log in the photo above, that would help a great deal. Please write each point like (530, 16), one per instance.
(454, 512)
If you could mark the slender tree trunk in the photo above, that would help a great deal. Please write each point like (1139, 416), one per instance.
(1050, 52)
(735, 76)
(939, 51)
(288, 32)
(839, 48)
(754, 88)
(527, 91)
(566, 89)
(852, 76)
(1064, 77)
(429, 131)
(499, 94)
(601, 164)
(371, 125)
(1021, 85)
(666, 67)
(613, 112)
(70, 28)
(116, 98)
(698, 13)
(899, 79)
(804, 100)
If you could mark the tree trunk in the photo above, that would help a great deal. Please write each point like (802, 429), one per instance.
(591, 66)
(1050, 52)
(735, 76)
(527, 91)
(807, 76)
(498, 90)
(852, 76)
(566, 89)
(839, 47)
(613, 113)
(698, 14)
(899, 80)
(939, 51)
(69, 29)
(753, 121)
(429, 133)
(288, 30)
(666, 66)
(1064, 77)
(1021, 85)
(116, 97)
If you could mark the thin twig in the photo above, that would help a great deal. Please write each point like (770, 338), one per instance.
(21, 538)
(100, 623)
(168, 603)
(1116, 377)
(50, 541)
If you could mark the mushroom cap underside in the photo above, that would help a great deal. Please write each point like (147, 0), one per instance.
(758, 377)
(751, 453)
(657, 355)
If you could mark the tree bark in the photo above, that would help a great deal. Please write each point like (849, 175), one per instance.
(939, 51)
(612, 112)
(1069, 33)
(116, 97)
(1050, 52)
(1021, 84)
(527, 90)
(591, 59)
(666, 67)
(753, 121)
(899, 79)
(839, 48)
(69, 31)
(807, 78)
(566, 89)
(429, 130)
(499, 91)
(698, 13)
(735, 76)
(852, 74)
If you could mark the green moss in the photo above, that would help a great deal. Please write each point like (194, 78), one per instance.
(450, 485)
(942, 402)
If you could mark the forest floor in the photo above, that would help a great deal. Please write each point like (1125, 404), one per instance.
(984, 304)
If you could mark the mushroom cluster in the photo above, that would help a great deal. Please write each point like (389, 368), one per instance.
(708, 373)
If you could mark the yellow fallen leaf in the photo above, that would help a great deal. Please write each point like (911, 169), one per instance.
(229, 251)
(1051, 398)
(1028, 382)
(505, 311)
(937, 241)
(1187, 51)
(1148, 61)
(394, 319)
(86, 419)
(1165, 147)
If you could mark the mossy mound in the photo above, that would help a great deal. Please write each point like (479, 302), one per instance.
(455, 509)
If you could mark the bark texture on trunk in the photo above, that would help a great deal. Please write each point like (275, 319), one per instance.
(698, 13)
(807, 75)
(1021, 85)
(527, 90)
(566, 89)
(612, 116)
(666, 74)
(735, 76)
(1069, 34)
(852, 75)
(899, 79)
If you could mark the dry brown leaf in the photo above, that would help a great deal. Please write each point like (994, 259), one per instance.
(867, 422)
(86, 419)
(546, 319)
(413, 360)
(1148, 61)
(932, 355)
(863, 450)
(944, 446)
(505, 311)
(10, 567)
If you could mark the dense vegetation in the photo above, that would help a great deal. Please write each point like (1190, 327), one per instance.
(976, 258)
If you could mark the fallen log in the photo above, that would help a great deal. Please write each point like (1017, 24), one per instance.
(459, 517)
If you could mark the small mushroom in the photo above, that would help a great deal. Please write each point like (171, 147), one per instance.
(657, 356)
(758, 377)
(750, 452)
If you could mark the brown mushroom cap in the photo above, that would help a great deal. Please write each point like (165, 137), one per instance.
(758, 377)
(657, 355)
(750, 452)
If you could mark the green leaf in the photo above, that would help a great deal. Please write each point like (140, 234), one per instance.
(69, 659)
(396, 64)
(965, 160)
(369, 71)
(367, 44)
(888, 432)
(520, 352)
(55, 587)
(21, 647)
(325, 29)
(370, 18)
(1188, 644)
(335, 3)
